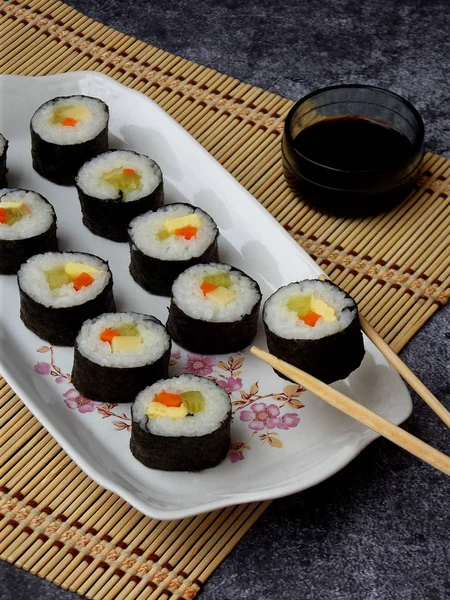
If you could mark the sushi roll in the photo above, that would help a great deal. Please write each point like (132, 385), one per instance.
(181, 424)
(214, 309)
(65, 133)
(3, 169)
(27, 227)
(61, 290)
(114, 188)
(314, 325)
(165, 243)
(118, 354)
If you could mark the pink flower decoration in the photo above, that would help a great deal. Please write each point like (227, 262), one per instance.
(261, 416)
(73, 399)
(199, 365)
(235, 456)
(176, 355)
(289, 420)
(232, 384)
(43, 368)
(60, 380)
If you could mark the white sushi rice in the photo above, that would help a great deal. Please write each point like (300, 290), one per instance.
(30, 225)
(33, 282)
(285, 323)
(144, 233)
(155, 340)
(217, 407)
(189, 297)
(86, 129)
(2, 144)
(89, 178)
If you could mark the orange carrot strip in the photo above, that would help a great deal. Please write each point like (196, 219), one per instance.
(207, 287)
(169, 399)
(129, 171)
(108, 334)
(69, 122)
(187, 232)
(3, 215)
(311, 318)
(83, 280)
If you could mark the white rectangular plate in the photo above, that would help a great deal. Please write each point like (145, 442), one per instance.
(288, 440)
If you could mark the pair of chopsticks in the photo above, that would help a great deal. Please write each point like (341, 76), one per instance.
(360, 413)
(364, 415)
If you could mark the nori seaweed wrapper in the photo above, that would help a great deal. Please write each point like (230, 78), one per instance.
(60, 326)
(180, 453)
(15, 252)
(110, 218)
(3, 169)
(208, 337)
(60, 163)
(330, 358)
(115, 384)
(156, 275)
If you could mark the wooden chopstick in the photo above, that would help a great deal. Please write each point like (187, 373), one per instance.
(360, 413)
(402, 369)
(405, 372)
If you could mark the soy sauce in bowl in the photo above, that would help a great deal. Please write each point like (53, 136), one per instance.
(353, 150)
(353, 143)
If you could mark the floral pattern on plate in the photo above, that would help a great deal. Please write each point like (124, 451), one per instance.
(262, 413)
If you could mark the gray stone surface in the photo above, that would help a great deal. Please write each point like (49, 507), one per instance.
(379, 529)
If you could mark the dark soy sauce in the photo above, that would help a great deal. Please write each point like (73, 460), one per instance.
(352, 143)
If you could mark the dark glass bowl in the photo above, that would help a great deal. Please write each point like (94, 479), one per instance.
(353, 193)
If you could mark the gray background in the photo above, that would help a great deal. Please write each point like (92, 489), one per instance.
(380, 528)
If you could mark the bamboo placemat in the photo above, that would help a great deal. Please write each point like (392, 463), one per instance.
(56, 522)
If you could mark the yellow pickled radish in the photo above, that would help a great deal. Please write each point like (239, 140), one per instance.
(323, 309)
(75, 269)
(13, 215)
(125, 343)
(221, 295)
(157, 409)
(192, 220)
(70, 111)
